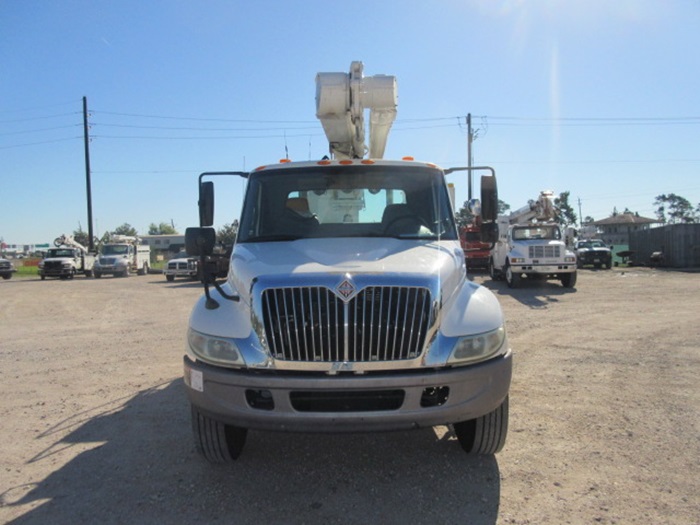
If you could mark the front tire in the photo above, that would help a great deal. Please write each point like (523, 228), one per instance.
(493, 273)
(512, 278)
(217, 442)
(170, 277)
(485, 434)
(568, 280)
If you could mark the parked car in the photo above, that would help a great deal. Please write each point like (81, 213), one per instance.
(6, 269)
(181, 266)
(593, 252)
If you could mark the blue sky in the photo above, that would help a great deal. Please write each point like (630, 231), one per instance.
(600, 98)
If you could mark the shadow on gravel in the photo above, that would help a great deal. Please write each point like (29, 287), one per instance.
(535, 294)
(146, 471)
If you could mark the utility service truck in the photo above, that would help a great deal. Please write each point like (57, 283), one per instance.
(67, 259)
(531, 245)
(122, 256)
(347, 306)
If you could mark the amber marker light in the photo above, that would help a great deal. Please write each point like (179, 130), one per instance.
(367, 161)
(407, 158)
(345, 162)
(323, 162)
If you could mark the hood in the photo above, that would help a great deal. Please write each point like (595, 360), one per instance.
(365, 260)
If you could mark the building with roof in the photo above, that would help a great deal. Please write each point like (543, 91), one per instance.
(616, 229)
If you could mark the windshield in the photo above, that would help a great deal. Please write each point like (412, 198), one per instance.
(60, 252)
(592, 244)
(527, 233)
(347, 201)
(115, 249)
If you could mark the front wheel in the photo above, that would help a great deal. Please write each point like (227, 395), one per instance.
(216, 441)
(493, 273)
(568, 280)
(512, 278)
(170, 277)
(485, 434)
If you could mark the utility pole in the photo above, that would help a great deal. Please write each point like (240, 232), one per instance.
(470, 139)
(580, 217)
(91, 244)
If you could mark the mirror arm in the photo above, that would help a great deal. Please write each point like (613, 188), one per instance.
(211, 303)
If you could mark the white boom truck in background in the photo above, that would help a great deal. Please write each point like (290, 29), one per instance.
(347, 306)
(123, 255)
(531, 244)
(67, 259)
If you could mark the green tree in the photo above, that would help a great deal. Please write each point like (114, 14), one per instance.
(567, 215)
(226, 235)
(125, 229)
(674, 209)
(163, 228)
(588, 220)
(81, 236)
(464, 217)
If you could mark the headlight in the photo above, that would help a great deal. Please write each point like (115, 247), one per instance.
(478, 347)
(214, 349)
(517, 260)
(570, 259)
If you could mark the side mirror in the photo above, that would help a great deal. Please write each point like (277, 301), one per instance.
(489, 232)
(200, 241)
(489, 199)
(206, 203)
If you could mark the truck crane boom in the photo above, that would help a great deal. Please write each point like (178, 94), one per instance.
(69, 240)
(541, 210)
(340, 103)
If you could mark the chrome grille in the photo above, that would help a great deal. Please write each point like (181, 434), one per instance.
(541, 252)
(381, 323)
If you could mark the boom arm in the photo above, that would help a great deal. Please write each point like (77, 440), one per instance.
(340, 103)
(68, 240)
(541, 210)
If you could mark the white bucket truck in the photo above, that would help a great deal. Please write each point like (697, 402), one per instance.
(531, 245)
(66, 259)
(347, 305)
(122, 256)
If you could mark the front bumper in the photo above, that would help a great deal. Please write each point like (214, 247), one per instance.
(57, 272)
(595, 259)
(544, 269)
(298, 402)
(180, 273)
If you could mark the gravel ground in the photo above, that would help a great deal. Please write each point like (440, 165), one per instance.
(604, 427)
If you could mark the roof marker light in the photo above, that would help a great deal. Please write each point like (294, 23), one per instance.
(407, 158)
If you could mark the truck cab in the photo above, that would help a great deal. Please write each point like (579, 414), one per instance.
(476, 252)
(346, 306)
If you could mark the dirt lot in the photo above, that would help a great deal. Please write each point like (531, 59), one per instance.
(604, 428)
